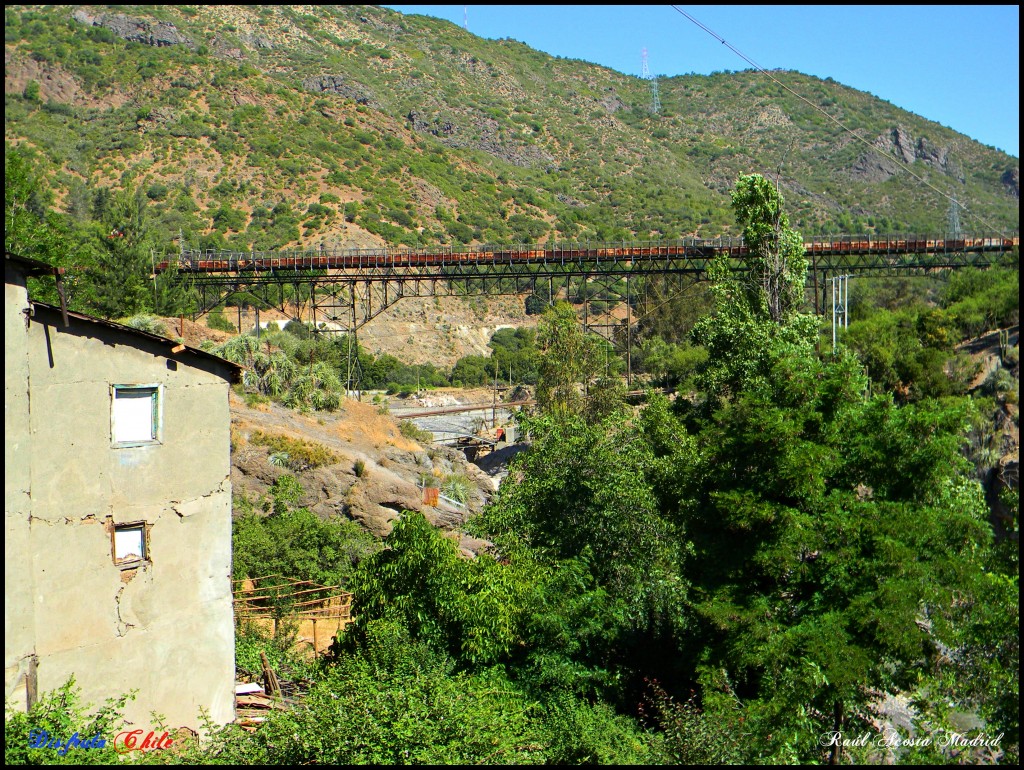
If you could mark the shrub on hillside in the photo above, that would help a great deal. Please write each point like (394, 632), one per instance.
(410, 430)
(300, 454)
(217, 320)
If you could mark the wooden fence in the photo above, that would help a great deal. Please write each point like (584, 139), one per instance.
(319, 611)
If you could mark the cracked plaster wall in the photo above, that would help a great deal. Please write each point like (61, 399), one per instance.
(165, 628)
(19, 634)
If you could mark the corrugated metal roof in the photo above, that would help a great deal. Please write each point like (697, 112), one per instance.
(35, 268)
(31, 266)
(236, 370)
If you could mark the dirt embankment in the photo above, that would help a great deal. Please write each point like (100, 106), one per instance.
(375, 477)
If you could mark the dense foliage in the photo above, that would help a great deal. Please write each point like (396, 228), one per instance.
(725, 577)
(274, 535)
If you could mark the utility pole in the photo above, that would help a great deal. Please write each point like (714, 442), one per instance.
(494, 403)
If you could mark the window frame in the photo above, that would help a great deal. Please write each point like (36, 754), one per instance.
(143, 527)
(156, 415)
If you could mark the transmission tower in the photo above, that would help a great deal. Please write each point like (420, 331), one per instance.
(953, 218)
(646, 75)
(840, 305)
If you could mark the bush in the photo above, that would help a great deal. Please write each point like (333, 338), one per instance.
(535, 305)
(457, 487)
(998, 383)
(31, 92)
(395, 701)
(410, 430)
(298, 329)
(294, 543)
(145, 323)
(215, 319)
(253, 400)
(60, 715)
(300, 455)
(157, 191)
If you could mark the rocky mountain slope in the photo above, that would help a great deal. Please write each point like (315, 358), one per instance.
(269, 127)
(376, 474)
(415, 330)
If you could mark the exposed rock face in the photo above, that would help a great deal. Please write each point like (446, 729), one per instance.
(256, 41)
(225, 49)
(486, 137)
(928, 153)
(55, 83)
(158, 34)
(899, 142)
(872, 167)
(438, 128)
(989, 352)
(612, 103)
(387, 483)
(898, 146)
(1011, 180)
(336, 84)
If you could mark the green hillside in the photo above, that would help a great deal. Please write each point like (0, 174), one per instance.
(260, 127)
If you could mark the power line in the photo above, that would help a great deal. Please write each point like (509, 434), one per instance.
(855, 135)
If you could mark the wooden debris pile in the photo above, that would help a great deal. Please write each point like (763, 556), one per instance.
(254, 700)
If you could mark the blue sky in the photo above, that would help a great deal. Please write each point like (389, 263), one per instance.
(957, 65)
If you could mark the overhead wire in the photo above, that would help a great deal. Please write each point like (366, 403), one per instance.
(852, 133)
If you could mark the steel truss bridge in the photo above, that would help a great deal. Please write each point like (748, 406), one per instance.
(341, 290)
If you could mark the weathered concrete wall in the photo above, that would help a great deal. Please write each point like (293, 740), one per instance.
(165, 628)
(19, 634)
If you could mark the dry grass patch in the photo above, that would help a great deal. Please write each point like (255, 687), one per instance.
(298, 454)
(365, 426)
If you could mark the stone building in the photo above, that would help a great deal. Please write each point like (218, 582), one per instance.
(117, 513)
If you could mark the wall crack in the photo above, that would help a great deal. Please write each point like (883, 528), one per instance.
(123, 627)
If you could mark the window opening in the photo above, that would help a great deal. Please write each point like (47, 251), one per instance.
(130, 543)
(135, 415)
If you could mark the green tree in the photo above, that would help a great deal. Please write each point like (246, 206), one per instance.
(120, 284)
(32, 229)
(569, 358)
(583, 489)
(833, 537)
(776, 269)
(826, 532)
(755, 317)
(468, 609)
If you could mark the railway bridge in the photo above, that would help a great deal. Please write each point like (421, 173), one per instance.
(341, 290)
